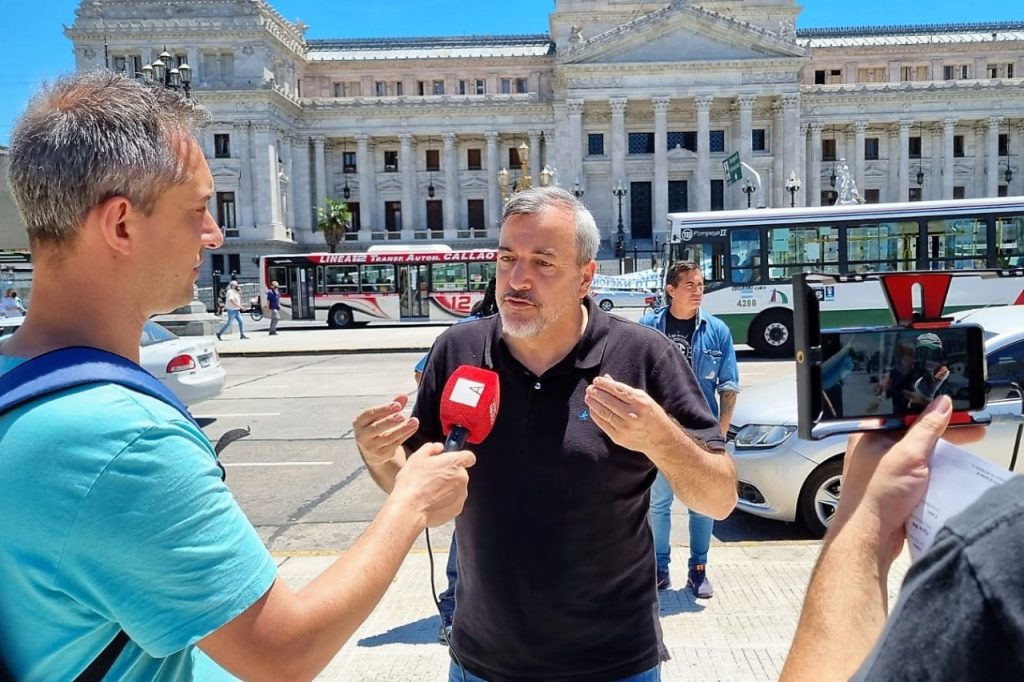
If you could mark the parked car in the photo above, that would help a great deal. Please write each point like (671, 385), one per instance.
(189, 366)
(609, 299)
(784, 477)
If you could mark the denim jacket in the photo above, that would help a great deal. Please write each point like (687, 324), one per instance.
(714, 357)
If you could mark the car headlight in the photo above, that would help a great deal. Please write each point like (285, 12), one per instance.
(762, 435)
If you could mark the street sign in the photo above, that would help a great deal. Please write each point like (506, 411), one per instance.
(733, 169)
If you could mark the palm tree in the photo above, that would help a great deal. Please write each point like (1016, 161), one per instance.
(334, 221)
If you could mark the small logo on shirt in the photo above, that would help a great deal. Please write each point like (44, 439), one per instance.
(584, 415)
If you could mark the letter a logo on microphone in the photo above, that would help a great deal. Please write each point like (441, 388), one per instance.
(467, 392)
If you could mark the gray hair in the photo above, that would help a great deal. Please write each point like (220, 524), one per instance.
(95, 135)
(539, 199)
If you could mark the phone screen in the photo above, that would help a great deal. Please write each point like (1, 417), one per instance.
(882, 372)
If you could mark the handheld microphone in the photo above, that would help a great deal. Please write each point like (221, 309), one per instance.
(469, 406)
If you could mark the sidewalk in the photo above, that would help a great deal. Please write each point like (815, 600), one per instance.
(312, 338)
(742, 633)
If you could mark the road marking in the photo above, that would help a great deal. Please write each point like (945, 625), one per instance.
(237, 414)
(277, 464)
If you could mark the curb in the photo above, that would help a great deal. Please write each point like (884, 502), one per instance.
(321, 351)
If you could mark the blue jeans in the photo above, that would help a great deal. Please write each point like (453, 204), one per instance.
(652, 675)
(701, 527)
(235, 315)
(447, 598)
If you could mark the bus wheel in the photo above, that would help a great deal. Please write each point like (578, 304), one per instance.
(771, 333)
(339, 317)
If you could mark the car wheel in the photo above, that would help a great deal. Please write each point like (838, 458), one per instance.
(771, 333)
(606, 305)
(820, 496)
(339, 317)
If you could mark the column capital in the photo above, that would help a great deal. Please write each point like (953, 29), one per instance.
(949, 123)
(318, 140)
(362, 139)
(660, 104)
(804, 128)
(860, 127)
(746, 102)
(703, 103)
(618, 105)
(995, 121)
(905, 125)
(448, 139)
(816, 127)
(491, 136)
(405, 138)
(575, 107)
(533, 135)
(790, 101)
(549, 136)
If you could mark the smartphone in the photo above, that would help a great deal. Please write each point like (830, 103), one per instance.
(895, 372)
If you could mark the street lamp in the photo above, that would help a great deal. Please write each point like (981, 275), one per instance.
(346, 191)
(524, 181)
(792, 186)
(832, 178)
(618, 192)
(749, 190)
(920, 171)
(1008, 175)
(577, 190)
(164, 72)
(430, 178)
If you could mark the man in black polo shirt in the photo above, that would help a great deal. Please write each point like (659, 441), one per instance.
(556, 563)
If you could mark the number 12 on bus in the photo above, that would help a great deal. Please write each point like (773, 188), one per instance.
(747, 258)
(395, 284)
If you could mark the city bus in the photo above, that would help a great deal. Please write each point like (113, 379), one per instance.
(395, 284)
(747, 258)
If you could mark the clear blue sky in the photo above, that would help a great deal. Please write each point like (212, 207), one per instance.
(35, 48)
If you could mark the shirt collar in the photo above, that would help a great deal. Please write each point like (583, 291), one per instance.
(588, 351)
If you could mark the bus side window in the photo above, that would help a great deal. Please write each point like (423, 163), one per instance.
(745, 261)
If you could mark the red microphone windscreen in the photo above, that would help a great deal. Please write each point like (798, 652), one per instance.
(470, 400)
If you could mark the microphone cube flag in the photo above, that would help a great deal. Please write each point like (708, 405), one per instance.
(470, 400)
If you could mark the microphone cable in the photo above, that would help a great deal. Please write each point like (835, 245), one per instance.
(437, 605)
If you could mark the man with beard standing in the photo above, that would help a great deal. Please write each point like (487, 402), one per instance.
(556, 562)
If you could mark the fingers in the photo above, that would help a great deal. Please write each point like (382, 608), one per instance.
(929, 427)
(373, 414)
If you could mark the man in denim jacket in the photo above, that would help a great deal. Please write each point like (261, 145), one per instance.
(707, 344)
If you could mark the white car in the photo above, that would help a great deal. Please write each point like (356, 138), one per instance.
(189, 366)
(608, 299)
(784, 477)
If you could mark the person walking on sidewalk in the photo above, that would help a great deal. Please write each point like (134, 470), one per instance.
(11, 305)
(233, 305)
(706, 343)
(274, 304)
(556, 562)
(117, 525)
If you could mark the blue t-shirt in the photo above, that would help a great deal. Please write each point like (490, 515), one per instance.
(114, 516)
(273, 300)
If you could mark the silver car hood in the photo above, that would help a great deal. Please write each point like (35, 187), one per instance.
(772, 403)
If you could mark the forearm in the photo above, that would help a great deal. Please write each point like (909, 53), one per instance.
(726, 404)
(384, 474)
(705, 481)
(845, 607)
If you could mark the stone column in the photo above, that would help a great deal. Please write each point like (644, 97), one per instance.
(903, 191)
(289, 197)
(245, 201)
(948, 165)
(618, 140)
(774, 190)
(814, 179)
(407, 162)
(660, 189)
(801, 165)
(302, 184)
(745, 103)
(892, 153)
(494, 205)
(367, 186)
(935, 173)
(791, 121)
(534, 142)
(575, 142)
(992, 156)
(451, 186)
(859, 130)
(703, 174)
(265, 176)
(320, 171)
(1016, 142)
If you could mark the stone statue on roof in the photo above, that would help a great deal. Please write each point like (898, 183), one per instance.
(575, 35)
(848, 193)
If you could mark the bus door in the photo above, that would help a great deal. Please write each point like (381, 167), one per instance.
(301, 286)
(706, 248)
(414, 288)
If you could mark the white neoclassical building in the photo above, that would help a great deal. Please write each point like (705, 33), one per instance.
(413, 132)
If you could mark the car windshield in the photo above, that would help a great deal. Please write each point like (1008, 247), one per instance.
(154, 333)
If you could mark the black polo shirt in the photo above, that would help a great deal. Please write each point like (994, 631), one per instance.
(556, 561)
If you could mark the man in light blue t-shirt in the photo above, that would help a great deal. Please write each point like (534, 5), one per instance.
(114, 512)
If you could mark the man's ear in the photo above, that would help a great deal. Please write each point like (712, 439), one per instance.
(588, 278)
(114, 217)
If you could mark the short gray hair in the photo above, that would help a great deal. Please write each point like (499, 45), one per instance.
(539, 199)
(91, 136)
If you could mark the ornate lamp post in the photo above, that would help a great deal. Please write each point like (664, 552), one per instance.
(1008, 174)
(524, 181)
(577, 190)
(749, 190)
(920, 171)
(618, 192)
(792, 186)
(164, 72)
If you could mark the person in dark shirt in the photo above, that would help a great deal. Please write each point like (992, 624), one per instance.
(274, 305)
(960, 612)
(556, 560)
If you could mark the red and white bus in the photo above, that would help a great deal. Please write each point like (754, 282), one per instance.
(394, 284)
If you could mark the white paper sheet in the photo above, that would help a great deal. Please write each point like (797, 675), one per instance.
(957, 479)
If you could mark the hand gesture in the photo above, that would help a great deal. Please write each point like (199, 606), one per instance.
(379, 430)
(433, 483)
(628, 415)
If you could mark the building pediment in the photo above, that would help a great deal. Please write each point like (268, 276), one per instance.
(680, 153)
(680, 33)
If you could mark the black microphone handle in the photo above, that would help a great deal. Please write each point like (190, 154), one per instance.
(456, 438)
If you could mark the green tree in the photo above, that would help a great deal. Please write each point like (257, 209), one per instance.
(333, 222)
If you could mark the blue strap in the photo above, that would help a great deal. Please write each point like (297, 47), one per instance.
(75, 366)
